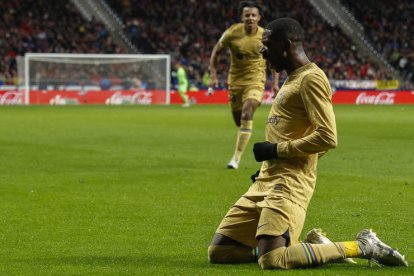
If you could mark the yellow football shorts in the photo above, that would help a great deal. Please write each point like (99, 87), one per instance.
(238, 95)
(271, 215)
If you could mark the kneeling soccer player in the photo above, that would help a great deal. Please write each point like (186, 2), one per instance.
(264, 225)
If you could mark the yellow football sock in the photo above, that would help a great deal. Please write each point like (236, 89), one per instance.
(351, 249)
(231, 254)
(307, 255)
(243, 137)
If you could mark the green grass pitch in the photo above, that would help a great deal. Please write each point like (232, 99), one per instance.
(141, 189)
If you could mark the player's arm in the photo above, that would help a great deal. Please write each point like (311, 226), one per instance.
(316, 96)
(275, 83)
(217, 50)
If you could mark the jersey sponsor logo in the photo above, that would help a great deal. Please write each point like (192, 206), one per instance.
(274, 120)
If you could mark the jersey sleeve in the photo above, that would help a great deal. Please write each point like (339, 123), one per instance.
(225, 38)
(316, 95)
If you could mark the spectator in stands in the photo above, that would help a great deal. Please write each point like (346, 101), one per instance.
(388, 26)
(50, 26)
(44, 26)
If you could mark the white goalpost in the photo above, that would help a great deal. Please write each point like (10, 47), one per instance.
(52, 78)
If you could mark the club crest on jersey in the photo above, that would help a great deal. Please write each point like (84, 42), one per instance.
(273, 120)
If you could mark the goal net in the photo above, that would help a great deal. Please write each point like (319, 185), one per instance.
(96, 79)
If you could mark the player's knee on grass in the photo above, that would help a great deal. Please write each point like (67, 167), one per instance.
(219, 254)
(230, 254)
(213, 254)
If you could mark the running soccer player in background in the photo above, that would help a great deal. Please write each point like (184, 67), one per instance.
(182, 83)
(247, 74)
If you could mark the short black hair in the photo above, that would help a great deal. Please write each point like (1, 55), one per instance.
(286, 28)
(250, 4)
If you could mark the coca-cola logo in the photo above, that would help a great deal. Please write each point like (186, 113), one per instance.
(11, 98)
(59, 100)
(380, 98)
(141, 97)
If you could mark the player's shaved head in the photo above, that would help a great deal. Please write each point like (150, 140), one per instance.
(285, 28)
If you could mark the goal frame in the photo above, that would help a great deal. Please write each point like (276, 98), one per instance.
(27, 57)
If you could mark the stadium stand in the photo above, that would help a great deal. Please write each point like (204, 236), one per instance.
(193, 39)
(389, 26)
(189, 33)
(42, 26)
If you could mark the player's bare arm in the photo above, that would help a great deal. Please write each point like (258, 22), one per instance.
(218, 48)
(275, 83)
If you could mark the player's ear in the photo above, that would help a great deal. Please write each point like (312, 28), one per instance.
(289, 45)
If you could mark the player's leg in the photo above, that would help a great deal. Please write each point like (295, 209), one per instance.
(234, 240)
(236, 106)
(237, 116)
(182, 90)
(246, 126)
(224, 250)
(278, 232)
(251, 99)
(273, 255)
(317, 236)
(236, 103)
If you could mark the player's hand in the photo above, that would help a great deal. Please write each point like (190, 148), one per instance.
(253, 176)
(213, 84)
(264, 151)
(213, 81)
(275, 88)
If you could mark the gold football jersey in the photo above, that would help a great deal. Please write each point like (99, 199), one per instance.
(302, 122)
(247, 64)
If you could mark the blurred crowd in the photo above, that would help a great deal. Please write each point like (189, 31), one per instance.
(191, 31)
(43, 26)
(188, 30)
(389, 25)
